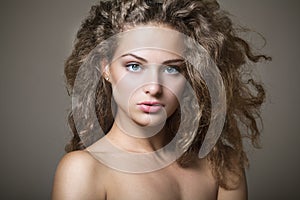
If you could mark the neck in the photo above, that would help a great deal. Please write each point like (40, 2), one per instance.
(134, 139)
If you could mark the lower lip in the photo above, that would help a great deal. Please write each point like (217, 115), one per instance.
(150, 109)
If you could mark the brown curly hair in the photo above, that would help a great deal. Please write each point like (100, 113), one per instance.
(206, 23)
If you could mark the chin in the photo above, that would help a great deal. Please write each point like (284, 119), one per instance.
(150, 120)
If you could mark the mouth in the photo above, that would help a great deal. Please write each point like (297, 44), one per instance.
(150, 106)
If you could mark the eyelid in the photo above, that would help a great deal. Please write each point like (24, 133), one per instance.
(171, 70)
(129, 64)
(133, 63)
(178, 68)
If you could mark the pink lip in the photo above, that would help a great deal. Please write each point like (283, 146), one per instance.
(150, 106)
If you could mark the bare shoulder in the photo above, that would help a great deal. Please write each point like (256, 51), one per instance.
(78, 176)
(239, 183)
(77, 162)
(240, 192)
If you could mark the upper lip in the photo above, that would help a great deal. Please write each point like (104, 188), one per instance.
(151, 103)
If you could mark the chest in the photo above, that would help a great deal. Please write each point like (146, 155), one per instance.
(167, 184)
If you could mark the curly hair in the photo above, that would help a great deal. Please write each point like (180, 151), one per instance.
(206, 23)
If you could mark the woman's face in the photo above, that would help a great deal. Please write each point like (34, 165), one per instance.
(147, 82)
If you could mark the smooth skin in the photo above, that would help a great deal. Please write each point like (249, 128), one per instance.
(81, 177)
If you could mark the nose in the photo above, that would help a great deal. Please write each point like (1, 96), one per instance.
(153, 79)
(152, 85)
(153, 89)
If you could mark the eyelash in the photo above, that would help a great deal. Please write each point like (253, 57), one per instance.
(130, 65)
(176, 68)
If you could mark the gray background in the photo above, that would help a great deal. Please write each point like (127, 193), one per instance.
(36, 37)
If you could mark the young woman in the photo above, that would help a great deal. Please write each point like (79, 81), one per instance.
(159, 101)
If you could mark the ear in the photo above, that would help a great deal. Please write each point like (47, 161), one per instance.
(105, 70)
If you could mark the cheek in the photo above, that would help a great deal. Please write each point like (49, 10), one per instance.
(176, 87)
(174, 93)
(123, 90)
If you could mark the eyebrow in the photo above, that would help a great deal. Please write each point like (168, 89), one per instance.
(144, 60)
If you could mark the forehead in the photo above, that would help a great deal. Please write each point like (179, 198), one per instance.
(150, 37)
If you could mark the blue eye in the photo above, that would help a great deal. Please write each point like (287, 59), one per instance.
(134, 67)
(172, 70)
